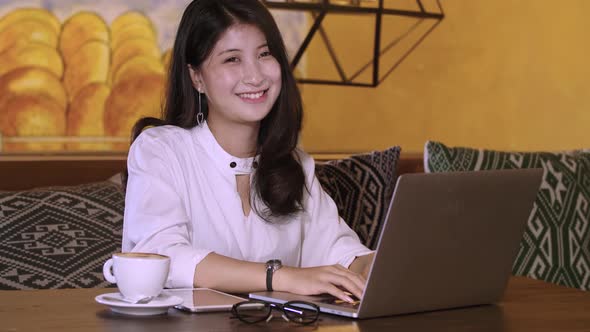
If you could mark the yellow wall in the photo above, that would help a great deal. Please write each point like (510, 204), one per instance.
(499, 74)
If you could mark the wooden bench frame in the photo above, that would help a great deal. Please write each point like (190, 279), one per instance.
(20, 172)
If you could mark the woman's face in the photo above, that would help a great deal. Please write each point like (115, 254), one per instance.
(240, 78)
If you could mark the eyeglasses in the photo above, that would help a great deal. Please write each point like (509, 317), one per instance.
(253, 311)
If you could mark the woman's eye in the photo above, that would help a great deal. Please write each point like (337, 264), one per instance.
(265, 54)
(232, 59)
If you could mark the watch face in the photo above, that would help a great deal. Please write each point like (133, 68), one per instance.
(274, 264)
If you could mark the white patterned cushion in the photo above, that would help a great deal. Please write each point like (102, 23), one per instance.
(59, 237)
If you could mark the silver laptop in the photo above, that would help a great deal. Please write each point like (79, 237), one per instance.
(449, 240)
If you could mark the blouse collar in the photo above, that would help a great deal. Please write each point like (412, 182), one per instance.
(223, 160)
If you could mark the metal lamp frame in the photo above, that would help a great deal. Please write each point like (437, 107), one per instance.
(321, 8)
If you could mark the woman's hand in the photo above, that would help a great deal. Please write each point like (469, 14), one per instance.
(362, 264)
(333, 279)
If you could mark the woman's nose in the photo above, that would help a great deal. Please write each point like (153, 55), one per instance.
(253, 74)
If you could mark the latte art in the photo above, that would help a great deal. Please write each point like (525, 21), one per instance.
(139, 255)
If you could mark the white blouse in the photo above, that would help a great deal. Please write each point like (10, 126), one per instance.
(182, 201)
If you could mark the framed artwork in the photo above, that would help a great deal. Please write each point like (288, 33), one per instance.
(75, 75)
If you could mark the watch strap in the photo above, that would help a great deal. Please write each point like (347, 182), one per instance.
(271, 266)
(269, 278)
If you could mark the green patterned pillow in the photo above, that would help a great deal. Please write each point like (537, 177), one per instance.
(556, 243)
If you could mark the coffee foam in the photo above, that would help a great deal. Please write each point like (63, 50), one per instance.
(139, 255)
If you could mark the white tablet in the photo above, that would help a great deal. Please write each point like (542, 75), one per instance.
(204, 299)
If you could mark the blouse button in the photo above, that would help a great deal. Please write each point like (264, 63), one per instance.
(233, 164)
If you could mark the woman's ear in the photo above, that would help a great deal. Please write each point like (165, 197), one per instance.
(196, 78)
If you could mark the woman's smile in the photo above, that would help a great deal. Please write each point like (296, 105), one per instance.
(254, 97)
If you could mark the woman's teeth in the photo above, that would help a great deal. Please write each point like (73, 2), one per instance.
(252, 95)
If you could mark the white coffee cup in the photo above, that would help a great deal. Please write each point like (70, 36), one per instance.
(137, 275)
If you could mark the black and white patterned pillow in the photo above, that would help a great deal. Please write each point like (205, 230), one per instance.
(362, 186)
(556, 244)
(59, 237)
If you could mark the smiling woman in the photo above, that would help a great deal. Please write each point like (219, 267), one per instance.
(241, 79)
(219, 184)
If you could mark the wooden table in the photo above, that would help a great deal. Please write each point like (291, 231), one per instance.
(528, 305)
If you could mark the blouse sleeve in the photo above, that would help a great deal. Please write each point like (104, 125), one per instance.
(327, 238)
(155, 218)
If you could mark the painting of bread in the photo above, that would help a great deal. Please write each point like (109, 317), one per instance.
(27, 31)
(85, 116)
(136, 67)
(133, 48)
(37, 14)
(76, 75)
(34, 118)
(129, 100)
(78, 30)
(166, 57)
(32, 81)
(89, 64)
(132, 31)
(31, 55)
(129, 18)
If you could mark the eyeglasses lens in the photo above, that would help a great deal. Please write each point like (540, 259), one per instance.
(301, 312)
(252, 312)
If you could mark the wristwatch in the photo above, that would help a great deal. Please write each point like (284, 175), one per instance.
(271, 267)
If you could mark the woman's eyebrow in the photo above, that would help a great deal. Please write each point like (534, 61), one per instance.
(229, 51)
(239, 50)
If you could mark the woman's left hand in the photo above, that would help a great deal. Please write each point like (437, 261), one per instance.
(362, 264)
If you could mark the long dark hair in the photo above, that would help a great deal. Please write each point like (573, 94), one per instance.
(279, 181)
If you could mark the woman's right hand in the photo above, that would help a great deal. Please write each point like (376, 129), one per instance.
(331, 279)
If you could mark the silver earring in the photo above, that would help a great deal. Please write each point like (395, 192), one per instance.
(200, 115)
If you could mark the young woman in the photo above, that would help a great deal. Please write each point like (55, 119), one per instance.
(219, 185)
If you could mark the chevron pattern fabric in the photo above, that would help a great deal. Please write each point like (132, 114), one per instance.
(361, 186)
(59, 237)
(556, 244)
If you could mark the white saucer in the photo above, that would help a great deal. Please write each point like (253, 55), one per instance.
(157, 306)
